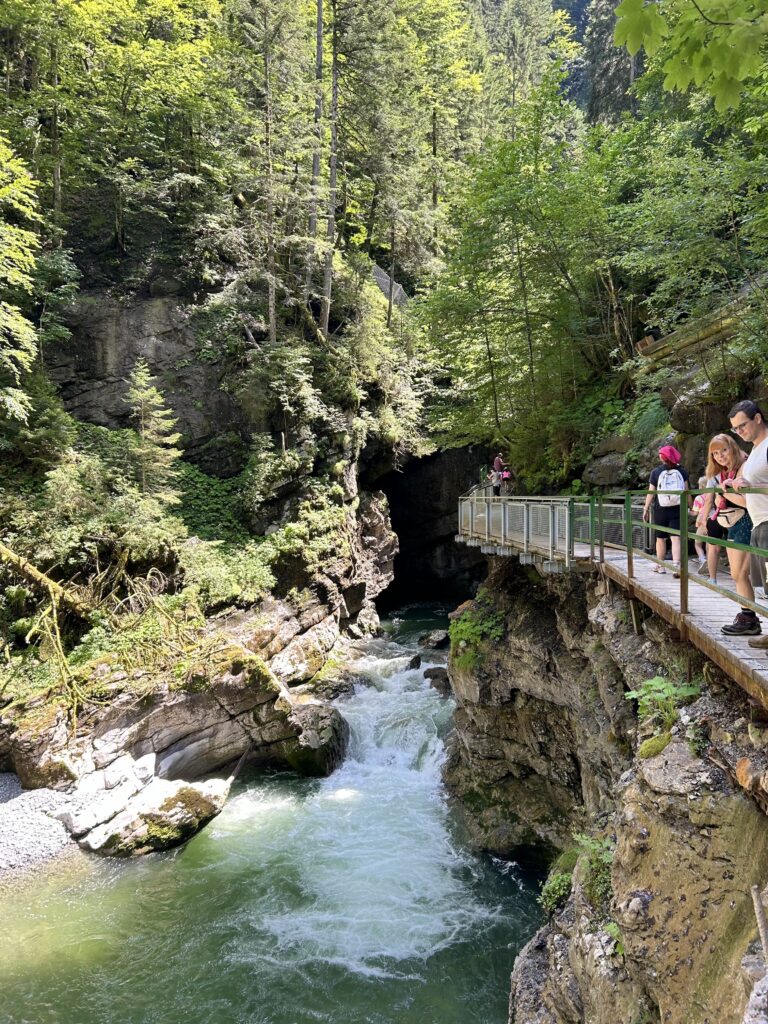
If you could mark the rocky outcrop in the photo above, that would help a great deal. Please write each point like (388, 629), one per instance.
(118, 769)
(110, 334)
(547, 751)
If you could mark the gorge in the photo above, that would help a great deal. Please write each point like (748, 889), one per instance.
(278, 283)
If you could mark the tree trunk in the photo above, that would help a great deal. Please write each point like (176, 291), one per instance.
(55, 135)
(435, 196)
(331, 222)
(39, 579)
(527, 313)
(316, 151)
(269, 191)
(391, 295)
(371, 222)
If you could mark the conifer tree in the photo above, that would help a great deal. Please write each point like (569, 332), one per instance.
(155, 452)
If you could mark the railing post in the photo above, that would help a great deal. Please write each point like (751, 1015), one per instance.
(526, 526)
(600, 531)
(683, 555)
(628, 534)
(568, 532)
(592, 527)
(552, 531)
(487, 519)
(504, 507)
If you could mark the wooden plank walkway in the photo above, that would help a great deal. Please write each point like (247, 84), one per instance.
(491, 526)
(708, 611)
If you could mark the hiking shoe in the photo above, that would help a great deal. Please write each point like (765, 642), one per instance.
(760, 642)
(703, 569)
(745, 624)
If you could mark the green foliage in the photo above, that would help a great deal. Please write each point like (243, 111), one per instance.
(555, 891)
(479, 624)
(716, 44)
(612, 929)
(317, 534)
(17, 262)
(155, 453)
(220, 574)
(658, 700)
(211, 508)
(647, 420)
(269, 470)
(557, 887)
(598, 852)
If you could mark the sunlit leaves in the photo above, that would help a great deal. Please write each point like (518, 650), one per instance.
(17, 261)
(718, 45)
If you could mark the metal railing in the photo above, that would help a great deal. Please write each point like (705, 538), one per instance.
(554, 529)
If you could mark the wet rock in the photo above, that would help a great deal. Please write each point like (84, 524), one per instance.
(436, 639)
(615, 443)
(415, 661)
(322, 740)
(439, 680)
(605, 471)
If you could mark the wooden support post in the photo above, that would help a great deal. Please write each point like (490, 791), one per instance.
(600, 530)
(637, 622)
(592, 527)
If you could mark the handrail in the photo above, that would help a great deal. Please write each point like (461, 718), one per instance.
(551, 525)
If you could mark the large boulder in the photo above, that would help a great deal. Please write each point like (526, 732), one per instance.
(163, 815)
(605, 471)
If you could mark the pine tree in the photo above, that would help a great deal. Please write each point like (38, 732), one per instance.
(156, 453)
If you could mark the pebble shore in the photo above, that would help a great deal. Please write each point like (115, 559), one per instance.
(28, 833)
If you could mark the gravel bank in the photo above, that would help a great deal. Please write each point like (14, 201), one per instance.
(28, 833)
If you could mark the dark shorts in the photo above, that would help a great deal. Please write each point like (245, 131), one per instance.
(714, 529)
(666, 515)
(759, 538)
(740, 532)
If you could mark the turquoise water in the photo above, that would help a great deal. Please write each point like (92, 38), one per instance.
(347, 900)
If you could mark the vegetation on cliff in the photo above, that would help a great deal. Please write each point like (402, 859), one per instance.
(389, 226)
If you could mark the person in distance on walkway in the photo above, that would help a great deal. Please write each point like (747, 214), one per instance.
(748, 423)
(669, 476)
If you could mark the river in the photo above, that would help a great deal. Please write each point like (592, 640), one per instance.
(347, 900)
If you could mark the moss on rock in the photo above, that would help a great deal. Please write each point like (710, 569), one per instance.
(653, 746)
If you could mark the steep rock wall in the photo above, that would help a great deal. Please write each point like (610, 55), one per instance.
(546, 746)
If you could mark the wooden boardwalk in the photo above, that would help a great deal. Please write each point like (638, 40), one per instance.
(550, 532)
(707, 612)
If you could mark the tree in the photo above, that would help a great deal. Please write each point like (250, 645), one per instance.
(155, 452)
(18, 340)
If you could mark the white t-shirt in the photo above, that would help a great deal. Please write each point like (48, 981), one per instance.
(755, 469)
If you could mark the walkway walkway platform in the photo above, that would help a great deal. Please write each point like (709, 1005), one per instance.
(707, 612)
(564, 534)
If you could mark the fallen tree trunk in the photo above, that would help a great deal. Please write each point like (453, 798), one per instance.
(32, 575)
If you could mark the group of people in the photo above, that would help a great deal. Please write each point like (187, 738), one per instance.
(724, 513)
(499, 476)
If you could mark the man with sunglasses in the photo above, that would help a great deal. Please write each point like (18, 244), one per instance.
(748, 424)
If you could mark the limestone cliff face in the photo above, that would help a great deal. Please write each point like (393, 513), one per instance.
(546, 745)
(110, 334)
